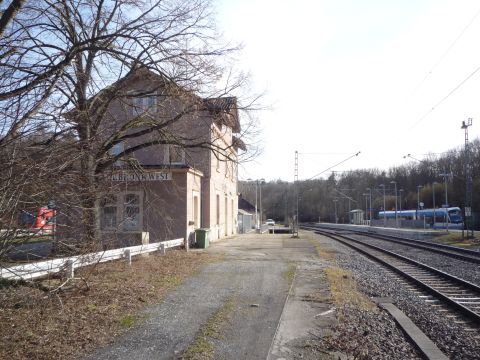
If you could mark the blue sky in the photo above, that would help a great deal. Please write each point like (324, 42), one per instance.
(343, 76)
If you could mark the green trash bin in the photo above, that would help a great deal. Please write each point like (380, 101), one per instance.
(202, 237)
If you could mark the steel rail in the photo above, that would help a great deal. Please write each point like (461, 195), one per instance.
(475, 316)
(447, 250)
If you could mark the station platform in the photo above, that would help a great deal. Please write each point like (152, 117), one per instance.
(417, 234)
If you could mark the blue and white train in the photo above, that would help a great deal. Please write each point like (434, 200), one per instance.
(436, 218)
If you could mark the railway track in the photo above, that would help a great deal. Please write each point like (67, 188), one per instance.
(472, 256)
(458, 295)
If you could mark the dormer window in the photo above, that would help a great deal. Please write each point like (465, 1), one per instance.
(142, 104)
(116, 150)
(174, 155)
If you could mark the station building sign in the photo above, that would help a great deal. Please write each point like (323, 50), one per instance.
(146, 176)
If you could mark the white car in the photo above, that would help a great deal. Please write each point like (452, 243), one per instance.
(270, 222)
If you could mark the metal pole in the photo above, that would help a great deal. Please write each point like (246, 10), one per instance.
(261, 213)
(400, 191)
(384, 209)
(433, 194)
(366, 207)
(336, 217)
(396, 199)
(468, 180)
(418, 196)
(370, 209)
(256, 206)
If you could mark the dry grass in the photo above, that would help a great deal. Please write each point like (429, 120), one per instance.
(39, 325)
(344, 290)
(324, 252)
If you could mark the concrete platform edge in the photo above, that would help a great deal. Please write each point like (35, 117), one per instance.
(421, 341)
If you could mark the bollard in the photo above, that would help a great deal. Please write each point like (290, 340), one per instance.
(145, 241)
(162, 249)
(128, 255)
(70, 269)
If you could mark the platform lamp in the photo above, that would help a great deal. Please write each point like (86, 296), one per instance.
(384, 209)
(418, 196)
(366, 206)
(396, 216)
(261, 182)
(336, 217)
(257, 225)
(370, 207)
(433, 198)
(400, 192)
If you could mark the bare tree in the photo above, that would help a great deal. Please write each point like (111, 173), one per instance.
(65, 64)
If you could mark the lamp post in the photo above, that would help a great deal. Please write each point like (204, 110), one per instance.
(256, 207)
(433, 198)
(336, 217)
(384, 209)
(366, 206)
(446, 176)
(396, 215)
(262, 181)
(401, 191)
(257, 224)
(468, 181)
(370, 207)
(418, 196)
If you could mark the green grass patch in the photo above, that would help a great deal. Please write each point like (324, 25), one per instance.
(202, 347)
(289, 274)
(129, 321)
(455, 239)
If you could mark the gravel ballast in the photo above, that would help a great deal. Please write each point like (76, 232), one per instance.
(374, 280)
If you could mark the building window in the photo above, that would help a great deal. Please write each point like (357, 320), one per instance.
(123, 210)
(142, 104)
(174, 155)
(117, 149)
(108, 217)
(131, 213)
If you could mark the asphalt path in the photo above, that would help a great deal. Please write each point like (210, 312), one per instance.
(269, 317)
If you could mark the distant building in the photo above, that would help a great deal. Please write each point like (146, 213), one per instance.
(246, 215)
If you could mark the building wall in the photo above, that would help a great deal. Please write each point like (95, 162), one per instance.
(170, 209)
(222, 198)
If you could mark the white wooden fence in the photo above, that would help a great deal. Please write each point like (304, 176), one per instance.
(44, 268)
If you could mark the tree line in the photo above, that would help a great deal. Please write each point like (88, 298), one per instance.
(426, 181)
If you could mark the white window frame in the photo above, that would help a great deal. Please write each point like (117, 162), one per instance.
(121, 211)
(142, 104)
(168, 150)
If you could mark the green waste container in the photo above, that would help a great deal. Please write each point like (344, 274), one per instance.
(202, 237)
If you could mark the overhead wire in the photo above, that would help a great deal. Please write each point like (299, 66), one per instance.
(331, 167)
(444, 55)
(444, 98)
(437, 63)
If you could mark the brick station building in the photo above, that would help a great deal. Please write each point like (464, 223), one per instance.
(173, 188)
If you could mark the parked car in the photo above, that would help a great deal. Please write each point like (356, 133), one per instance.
(270, 222)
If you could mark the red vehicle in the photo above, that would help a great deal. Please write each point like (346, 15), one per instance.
(41, 219)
